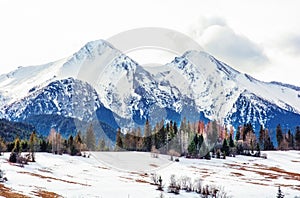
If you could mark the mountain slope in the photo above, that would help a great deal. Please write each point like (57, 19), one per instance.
(68, 97)
(109, 86)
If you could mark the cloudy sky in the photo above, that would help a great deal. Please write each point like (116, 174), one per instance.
(259, 37)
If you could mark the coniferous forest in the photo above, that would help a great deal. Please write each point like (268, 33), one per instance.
(190, 139)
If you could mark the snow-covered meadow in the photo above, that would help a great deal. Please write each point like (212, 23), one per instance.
(129, 174)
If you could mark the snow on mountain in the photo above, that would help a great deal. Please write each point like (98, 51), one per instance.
(286, 85)
(212, 84)
(250, 108)
(217, 88)
(67, 97)
(25, 80)
(191, 85)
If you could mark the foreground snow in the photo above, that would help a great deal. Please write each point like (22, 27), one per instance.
(128, 174)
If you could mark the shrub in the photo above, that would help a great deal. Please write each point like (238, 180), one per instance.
(13, 157)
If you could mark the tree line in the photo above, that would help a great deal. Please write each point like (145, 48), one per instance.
(53, 143)
(191, 139)
(198, 139)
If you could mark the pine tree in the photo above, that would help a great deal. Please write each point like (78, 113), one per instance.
(43, 146)
(290, 140)
(257, 150)
(279, 135)
(225, 147)
(33, 145)
(261, 138)
(212, 133)
(16, 151)
(297, 138)
(238, 134)
(139, 139)
(248, 128)
(231, 142)
(175, 128)
(90, 138)
(126, 143)
(17, 147)
(147, 136)
(119, 141)
(279, 194)
(78, 141)
(192, 148)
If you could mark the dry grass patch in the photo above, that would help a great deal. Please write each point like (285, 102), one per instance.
(256, 183)
(154, 165)
(237, 174)
(47, 194)
(142, 181)
(7, 192)
(296, 161)
(127, 178)
(45, 171)
(52, 178)
(103, 167)
(286, 174)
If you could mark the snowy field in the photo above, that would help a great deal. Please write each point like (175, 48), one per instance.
(128, 174)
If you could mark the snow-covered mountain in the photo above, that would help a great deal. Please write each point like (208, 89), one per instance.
(218, 90)
(99, 82)
(67, 97)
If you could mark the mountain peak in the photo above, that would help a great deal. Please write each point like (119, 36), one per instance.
(93, 48)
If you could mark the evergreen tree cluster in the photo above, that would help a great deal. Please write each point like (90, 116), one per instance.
(198, 139)
(188, 139)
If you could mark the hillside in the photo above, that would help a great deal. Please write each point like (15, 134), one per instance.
(10, 130)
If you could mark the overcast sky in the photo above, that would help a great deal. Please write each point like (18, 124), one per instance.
(259, 37)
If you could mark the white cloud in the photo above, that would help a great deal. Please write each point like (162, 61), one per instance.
(290, 44)
(217, 38)
(237, 32)
(233, 48)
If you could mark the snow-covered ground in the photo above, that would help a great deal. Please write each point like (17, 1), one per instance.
(128, 174)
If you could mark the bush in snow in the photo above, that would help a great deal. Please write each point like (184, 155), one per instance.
(13, 157)
(184, 182)
(198, 185)
(173, 186)
(154, 152)
(172, 153)
(155, 178)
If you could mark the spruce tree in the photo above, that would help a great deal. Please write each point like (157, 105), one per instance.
(261, 138)
(78, 141)
(279, 135)
(43, 145)
(279, 194)
(147, 136)
(231, 142)
(90, 138)
(297, 137)
(192, 148)
(225, 147)
(290, 140)
(71, 145)
(175, 128)
(238, 134)
(119, 141)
